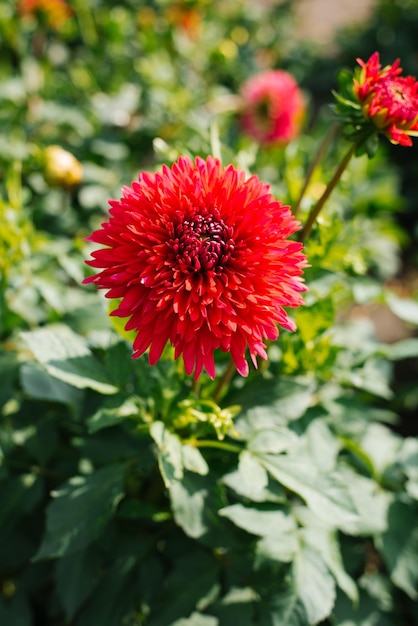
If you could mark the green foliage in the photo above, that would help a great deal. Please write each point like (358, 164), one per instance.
(131, 495)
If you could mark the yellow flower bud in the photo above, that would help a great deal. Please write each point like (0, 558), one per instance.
(61, 168)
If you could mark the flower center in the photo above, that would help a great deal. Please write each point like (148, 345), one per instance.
(202, 243)
(401, 101)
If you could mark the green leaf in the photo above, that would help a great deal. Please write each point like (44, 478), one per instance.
(371, 504)
(258, 521)
(39, 384)
(251, 480)
(191, 584)
(80, 511)
(381, 445)
(373, 377)
(170, 456)
(314, 583)
(15, 611)
(399, 546)
(8, 373)
(65, 355)
(325, 542)
(322, 444)
(19, 495)
(252, 473)
(404, 308)
(197, 619)
(189, 505)
(403, 349)
(272, 440)
(408, 459)
(193, 460)
(114, 597)
(113, 411)
(237, 606)
(268, 402)
(279, 546)
(77, 574)
(285, 608)
(326, 494)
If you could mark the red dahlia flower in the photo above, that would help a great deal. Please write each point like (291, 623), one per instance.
(200, 257)
(388, 100)
(273, 107)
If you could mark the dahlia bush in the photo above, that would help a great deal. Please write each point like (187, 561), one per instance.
(208, 323)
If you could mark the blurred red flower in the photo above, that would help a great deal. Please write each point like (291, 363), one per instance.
(57, 12)
(273, 107)
(200, 257)
(388, 100)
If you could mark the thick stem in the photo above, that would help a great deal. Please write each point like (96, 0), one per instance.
(329, 189)
(318, 158)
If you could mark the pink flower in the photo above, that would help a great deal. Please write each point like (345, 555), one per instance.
(388, 100)
(200, 257)
(273, 108)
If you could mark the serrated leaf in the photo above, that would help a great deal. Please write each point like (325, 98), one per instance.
(315, 585)
(326, 494)
(112, 412)
(65, 355)
(170, 453)
(80, 510)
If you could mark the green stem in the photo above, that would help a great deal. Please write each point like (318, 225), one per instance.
(3, 304)
(195, 387)
(329, 189)
(209, 443)
(318, 157)
(224, 380)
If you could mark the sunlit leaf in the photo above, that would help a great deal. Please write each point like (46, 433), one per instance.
(326, 494)
(65, 355)
(314, 583)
